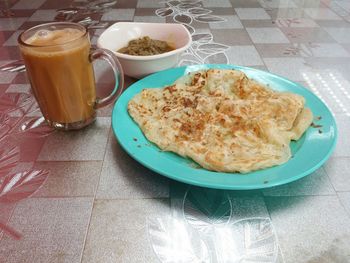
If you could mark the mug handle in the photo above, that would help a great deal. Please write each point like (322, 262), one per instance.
(112, 60)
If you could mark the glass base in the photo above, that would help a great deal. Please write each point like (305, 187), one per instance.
(72, 126)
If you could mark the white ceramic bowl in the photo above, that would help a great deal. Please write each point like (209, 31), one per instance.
(119, 34)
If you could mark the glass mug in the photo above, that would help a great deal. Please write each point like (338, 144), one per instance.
(58, 60)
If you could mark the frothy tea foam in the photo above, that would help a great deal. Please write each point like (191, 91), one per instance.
(55, 37)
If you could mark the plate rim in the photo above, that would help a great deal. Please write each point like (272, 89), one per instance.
(218, 185)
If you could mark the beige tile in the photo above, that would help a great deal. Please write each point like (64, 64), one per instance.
(123, 177)
(150, 3)
(43, 15)
(231, 21)
(118, 231)
(267, 35)
(70, 178)
(12, 41)
(25, 4)
(278, 50)
(252, 13)
(149, 19)
(258, 23)
(231, 36)
(85, 144)
(53, 230)
(11, 23)
(145, 11)
(245, 3)
(216, 3)
(6, 210)
(20, 88)
(118, 14)
(7, 77)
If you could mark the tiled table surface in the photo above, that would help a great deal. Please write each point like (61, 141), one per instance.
(99, 205)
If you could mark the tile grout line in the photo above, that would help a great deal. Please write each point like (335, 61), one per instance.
(94, 197)
(325, 171)
(341, 203)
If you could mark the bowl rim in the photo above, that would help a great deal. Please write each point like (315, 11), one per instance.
(150, 57)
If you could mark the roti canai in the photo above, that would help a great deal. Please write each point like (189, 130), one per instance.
(222, 120)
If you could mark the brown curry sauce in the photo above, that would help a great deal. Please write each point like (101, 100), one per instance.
(146, 46)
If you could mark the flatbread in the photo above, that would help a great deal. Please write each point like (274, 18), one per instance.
(223, 120)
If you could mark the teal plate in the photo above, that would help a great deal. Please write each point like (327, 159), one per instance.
(309, 153)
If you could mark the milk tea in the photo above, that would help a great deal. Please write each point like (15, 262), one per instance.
(60, 74)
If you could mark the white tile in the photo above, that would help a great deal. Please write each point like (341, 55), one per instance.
(216, 3)
(118, 231)
(69, 178)
(252, 13)
(149, 19)
(330, 86)
(316, 183)
(290, 13)
(118, 14)
(149, 4)
(43, 15)
(25, 4)
(343, 145)
(340, 34)
(86, 144)
(267, 35)
(344, 4)
(328, 50)
(296, 22)
(338, 170)
(344, 198)
(291, 68)
(321, 14)
(123, 177)
(244, 56)
(230, 22)
(53, 230)
(311, 229)
(7, 24)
